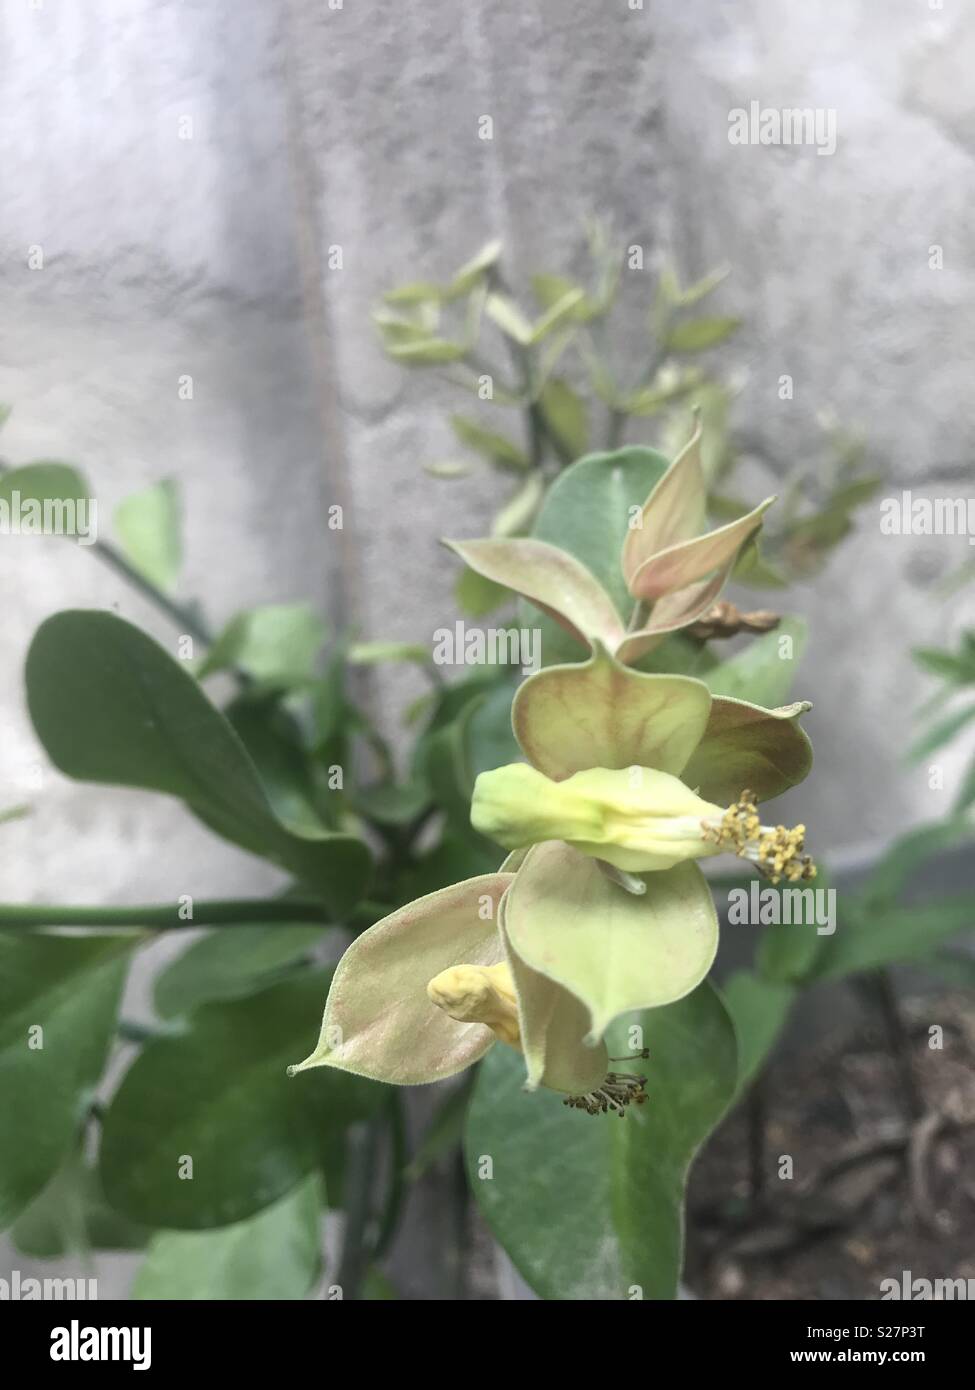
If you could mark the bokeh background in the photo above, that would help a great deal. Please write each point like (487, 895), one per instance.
(313, 126)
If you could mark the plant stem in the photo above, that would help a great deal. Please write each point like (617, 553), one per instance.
(214, 913)
(756, 1108)
(396, 1191)
(184, 617)
(615, 427)
(364, 1142)
(899, 1042)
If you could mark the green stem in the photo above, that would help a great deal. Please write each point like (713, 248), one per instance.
(617, 424)
(214, 913)
(898, 1041)
(364, 1143)
(396, 1191)
(184, 618)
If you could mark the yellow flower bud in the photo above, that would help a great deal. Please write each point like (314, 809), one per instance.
(635, 818)
(479, 994)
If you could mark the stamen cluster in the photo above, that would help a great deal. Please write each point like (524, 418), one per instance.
(619, 1090)
(777, 851)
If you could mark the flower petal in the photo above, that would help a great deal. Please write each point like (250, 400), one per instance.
(671, 613)
(553, 1026)
(689, 561)
(613, 950)
(378, 1020)
(552, 579)
(674, 511)
(745, 746)
(601, 714)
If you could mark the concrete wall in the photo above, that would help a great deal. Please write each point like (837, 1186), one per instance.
(313, 127)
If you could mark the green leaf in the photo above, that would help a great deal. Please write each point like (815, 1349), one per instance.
(392, 804)
(588, 510)
(907, 854)
(942, 731)
(273, 741)
(273, 1256)
(375, 653)
(493, 446)
(788, 950)
(71, 1216)
(565, 308)
(68, 987)
(448, 468)
(959, 669)
(552, 290)
(590, 1208)
(566, 418)
(871, 937)
(694, 293)
(509, 318)
(230, 962)
(44, 481)
(759, 1008)
(753, 568)
(219, 1095)
(110, 705)
(149, 529)
(417, 293)
(377, 1287)
(489, 736)
(966, 792)
(518, 513)
(477, 595)
(277, 644)
(763, 672)
(472, 272)
(698, 334)
(427, 352)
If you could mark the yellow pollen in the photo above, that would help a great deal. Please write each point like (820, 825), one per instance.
(779, 853)
(479, 994)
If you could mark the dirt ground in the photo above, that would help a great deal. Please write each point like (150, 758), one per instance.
(882, 1143)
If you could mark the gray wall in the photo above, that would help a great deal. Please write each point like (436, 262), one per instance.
(314, 127)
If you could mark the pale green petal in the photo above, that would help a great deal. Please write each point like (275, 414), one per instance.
(636, 818)
(613, 950)
(553, 1026)
(378, 1019)
(602, 714)
(747, 747)
(674, 511)
(555, 581)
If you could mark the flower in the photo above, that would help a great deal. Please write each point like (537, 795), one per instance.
(674, 569)
(428, 990)
(544, 954)
(636, 819)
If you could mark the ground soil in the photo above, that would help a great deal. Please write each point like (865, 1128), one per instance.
(882, 1144)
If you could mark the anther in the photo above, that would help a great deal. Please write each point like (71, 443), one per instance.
(776, 851)
(618, 1090)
